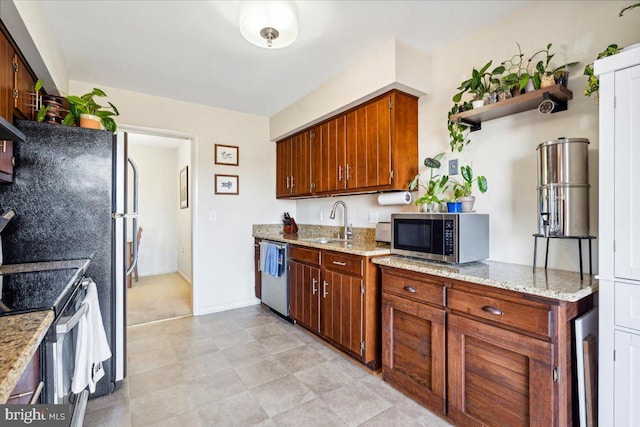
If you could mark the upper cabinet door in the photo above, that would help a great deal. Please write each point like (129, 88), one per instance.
(283, 168)
(627, 169)
(330, 158)
(24, 90)
(369, 145)
(301, 164)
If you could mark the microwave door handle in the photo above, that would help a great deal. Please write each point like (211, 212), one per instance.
(134, 261)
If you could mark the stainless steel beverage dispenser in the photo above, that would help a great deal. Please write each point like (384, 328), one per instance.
(563, 188)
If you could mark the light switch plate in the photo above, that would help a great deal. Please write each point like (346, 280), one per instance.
(453, 167)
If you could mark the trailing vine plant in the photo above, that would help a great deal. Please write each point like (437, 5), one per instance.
(458, 132)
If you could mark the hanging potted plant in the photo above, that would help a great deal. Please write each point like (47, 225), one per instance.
(435, 187)
(463, 191)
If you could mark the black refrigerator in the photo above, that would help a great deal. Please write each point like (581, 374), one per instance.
(69, 195)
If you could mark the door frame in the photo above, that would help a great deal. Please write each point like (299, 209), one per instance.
(193, 199)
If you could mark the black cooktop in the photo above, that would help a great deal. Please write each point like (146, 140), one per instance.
(37, 290)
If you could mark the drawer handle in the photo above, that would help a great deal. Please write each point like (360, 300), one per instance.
(340, 263)
(492, 310)
(410, 289)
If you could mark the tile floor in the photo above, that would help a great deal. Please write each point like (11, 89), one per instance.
(246, 367)
(147, 298)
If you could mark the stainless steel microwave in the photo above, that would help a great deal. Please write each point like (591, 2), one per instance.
(447, 237)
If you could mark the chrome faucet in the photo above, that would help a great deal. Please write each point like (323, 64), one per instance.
(348, 229)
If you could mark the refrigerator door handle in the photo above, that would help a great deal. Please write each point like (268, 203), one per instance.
(134, 215)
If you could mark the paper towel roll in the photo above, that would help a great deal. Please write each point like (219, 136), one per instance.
(397, 198)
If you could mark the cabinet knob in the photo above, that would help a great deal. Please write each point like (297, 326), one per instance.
(492, 310)
(410, 289)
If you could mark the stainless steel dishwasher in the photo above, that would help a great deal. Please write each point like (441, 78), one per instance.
(275, 290)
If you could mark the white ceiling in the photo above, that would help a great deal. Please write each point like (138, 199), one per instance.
(193, 50)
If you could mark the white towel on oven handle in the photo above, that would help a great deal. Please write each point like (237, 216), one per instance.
(92, 347)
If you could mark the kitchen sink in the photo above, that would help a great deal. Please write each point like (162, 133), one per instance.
(326, 240)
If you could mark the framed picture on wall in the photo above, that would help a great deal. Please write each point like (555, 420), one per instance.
(184, 187)
(227, 184)
(227, 155)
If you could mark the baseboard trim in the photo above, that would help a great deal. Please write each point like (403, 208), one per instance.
(185, 278)
(224, 307)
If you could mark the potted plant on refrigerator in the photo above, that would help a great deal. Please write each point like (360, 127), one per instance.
(83, 110)
(435, 187)
(463, 191)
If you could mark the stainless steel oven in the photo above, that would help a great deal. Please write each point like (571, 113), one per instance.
(60, 351)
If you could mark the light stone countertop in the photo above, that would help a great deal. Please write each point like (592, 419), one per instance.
(555, 284)
(20, 336)
(363, 243)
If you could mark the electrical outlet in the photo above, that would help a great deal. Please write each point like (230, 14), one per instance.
(453, 167)
(373, 217)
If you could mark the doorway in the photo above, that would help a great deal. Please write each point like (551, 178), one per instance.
(161, 287)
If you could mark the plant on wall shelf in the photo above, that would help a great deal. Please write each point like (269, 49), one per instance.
(436, 185)
(480, 82)
(543, 74)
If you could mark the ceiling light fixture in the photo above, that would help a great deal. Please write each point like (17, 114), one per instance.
(269, 24)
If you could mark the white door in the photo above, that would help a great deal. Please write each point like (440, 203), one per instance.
(627, 172)
(626, 393)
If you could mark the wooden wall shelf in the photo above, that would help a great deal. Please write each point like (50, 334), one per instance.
(524, 102)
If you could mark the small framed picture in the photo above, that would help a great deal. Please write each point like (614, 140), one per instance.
(227, 155)
(227, 184)
(184, 187)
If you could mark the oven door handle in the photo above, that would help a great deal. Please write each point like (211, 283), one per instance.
(66, 324)
(79, 409)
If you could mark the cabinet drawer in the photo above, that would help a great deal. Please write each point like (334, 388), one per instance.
(627, 305)
(423, 289)
(509, 313)
(306, 255)
(350, 264)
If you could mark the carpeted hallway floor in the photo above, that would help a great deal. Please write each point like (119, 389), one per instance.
(158, 297)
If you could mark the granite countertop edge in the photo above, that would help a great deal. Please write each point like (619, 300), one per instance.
(28, 337)
(45, 265)
(420, 266)
(357, 248)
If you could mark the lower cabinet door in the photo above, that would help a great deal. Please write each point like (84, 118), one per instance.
(497, 377)
(342, 311)
(413, 350)
(627, 379)
(304, 282)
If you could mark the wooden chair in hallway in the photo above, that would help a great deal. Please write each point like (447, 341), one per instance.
(134, 273)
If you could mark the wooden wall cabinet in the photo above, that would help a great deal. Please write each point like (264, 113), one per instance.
(336, 296)
(372, 147)
(507, 358)
(293, 166)
(17, 83)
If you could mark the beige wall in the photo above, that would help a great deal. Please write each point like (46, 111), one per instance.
(223, 250)
(157, 209)
(505, 149)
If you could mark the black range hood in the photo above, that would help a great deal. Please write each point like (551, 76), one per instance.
(9, 132)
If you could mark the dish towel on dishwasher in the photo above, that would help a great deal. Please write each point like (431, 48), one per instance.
(92, 347)
(273, 263)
